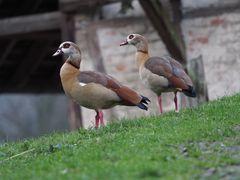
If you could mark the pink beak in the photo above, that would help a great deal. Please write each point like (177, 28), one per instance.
(124, 43)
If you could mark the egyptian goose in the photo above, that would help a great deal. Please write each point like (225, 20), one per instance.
(94, 90)
(160, 74)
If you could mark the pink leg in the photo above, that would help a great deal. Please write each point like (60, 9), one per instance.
(176, 102)
(101, 118)
(97, 120)
(160, 103)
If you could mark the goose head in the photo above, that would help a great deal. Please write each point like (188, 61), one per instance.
(70, 51)
(136, 40)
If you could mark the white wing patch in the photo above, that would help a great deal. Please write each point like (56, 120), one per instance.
(82, 84)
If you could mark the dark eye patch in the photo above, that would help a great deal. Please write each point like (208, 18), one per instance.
(131, 36)
(66, 45)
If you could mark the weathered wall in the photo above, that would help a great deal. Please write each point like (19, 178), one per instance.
(23, 116)
(191, 5)
(216, 39)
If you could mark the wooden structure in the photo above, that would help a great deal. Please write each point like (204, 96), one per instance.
(27, 41)
(168, 27)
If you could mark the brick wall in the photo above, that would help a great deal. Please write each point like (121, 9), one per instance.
(216, 39)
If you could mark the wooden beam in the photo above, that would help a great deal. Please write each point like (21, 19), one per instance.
(177, 15)
(68, 33)
(166, 29)
(30, 23)
(74, 116)
(34, 86)
(94, 50)
(121, 22)
(54, 35)
(82, 5)
(67, 27)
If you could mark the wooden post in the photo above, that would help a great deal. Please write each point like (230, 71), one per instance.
(68, 34)
(94, 50)
(196, 71)
(96, 56)
(74, 116)
(167, 30)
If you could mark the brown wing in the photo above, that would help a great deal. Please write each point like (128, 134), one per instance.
(159, 66)
(179, 71)
(172, 61)
(173, 71)
(128, 96)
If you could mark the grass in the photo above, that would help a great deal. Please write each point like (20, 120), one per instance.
(199, 143)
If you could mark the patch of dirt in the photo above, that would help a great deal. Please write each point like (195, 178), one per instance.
(229, 147)
(237, 128)
(224, 172)
(209, 172)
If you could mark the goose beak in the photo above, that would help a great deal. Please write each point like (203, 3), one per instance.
(58, 52)
(124, 43)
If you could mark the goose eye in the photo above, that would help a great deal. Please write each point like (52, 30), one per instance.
(66, 45)
(131, 36)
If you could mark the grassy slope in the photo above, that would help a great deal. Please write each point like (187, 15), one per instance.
(198, 143)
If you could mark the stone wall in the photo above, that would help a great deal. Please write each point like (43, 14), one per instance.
(24, 116)
(192, 5)
(216, 39)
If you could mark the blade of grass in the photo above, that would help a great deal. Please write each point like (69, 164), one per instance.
(17, 155)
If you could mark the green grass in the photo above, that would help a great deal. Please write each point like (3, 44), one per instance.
(199, 143)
